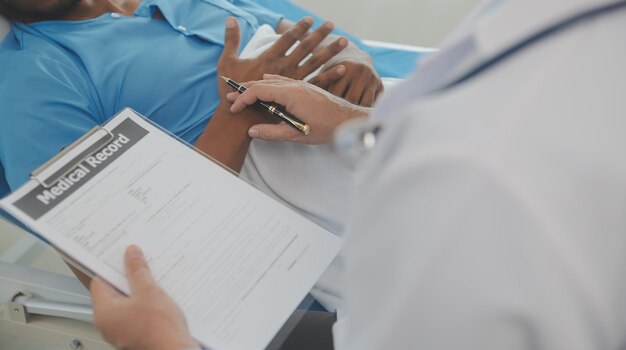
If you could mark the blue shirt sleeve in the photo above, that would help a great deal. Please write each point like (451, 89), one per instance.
(46, 105)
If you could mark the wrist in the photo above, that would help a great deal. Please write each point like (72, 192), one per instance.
(241, 121)
(349, 111)
(226, 137)
(360, 112)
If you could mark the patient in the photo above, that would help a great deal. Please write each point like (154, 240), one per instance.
(68, 65)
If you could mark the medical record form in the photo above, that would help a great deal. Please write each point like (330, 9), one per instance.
(237, 261)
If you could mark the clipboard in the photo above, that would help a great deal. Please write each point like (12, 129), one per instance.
(284, 253)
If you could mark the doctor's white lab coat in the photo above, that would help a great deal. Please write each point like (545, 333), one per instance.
(491, 215)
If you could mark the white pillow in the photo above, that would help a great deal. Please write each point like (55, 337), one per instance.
(4, 27)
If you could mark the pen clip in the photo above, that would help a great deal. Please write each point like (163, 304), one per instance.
(304, 128)
(50, 181)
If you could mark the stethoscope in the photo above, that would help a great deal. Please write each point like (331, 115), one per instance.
(354, 141)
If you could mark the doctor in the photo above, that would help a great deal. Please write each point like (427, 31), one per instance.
(491, 207)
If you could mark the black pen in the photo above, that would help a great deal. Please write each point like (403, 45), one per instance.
(284, 116)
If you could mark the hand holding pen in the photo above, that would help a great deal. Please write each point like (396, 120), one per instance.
(314, 107)
(274, 110)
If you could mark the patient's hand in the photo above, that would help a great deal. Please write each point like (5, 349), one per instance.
(360, 84)
(275, 60)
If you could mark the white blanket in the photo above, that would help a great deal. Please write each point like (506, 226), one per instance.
(311, 179)
(262, 40)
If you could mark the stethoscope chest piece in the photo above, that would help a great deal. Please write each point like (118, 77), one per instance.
(356, 139)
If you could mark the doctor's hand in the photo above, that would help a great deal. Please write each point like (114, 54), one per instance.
(147, 319)
(275, 60)
(322, 111)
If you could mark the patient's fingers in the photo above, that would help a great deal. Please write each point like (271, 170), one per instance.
(340, 87)
(369, 95)
(322, 56)
(290, 37)
(325, 79)
(358, 87)
(380, 90)
(311, 42)
(231, 38)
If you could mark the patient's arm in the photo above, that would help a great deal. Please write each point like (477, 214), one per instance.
(360, 84)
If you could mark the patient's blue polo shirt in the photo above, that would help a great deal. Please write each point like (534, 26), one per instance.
(58, 79)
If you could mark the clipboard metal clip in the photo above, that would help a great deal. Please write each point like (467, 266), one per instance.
(54, 178)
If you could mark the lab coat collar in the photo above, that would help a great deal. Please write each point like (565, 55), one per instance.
(519, 19)
(492, 29)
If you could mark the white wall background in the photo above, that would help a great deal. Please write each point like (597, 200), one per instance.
(415, 22)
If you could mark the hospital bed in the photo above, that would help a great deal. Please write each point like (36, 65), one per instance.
(51, 310)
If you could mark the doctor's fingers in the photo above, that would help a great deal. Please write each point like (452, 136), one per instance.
(139, 276)
(290, 37)
(284, 93)
(274, 132)
(232, 96)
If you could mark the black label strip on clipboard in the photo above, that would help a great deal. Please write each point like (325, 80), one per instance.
(67, 168)
(53, 189)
